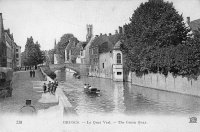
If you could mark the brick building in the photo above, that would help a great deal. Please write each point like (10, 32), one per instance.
(3, 60)
(106, 57)
(194, 25)
(10, 52)
(78, 52)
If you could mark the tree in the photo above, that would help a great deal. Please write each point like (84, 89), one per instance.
(62, 44)
(51, 56)
(154, 30)
(32, 54)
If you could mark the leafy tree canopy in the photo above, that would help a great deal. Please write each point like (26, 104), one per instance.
(155, 29)
(32, 54)
(62, 44)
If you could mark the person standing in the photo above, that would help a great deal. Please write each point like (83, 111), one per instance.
(56, 83)
(28, 108)
(31, 73)
(52, 87)
(44, 87)
(49, 86)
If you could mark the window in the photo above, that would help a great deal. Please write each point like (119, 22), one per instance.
(16, 50)
(103, 65)
(119, 73)
(119, 58)
(17, 55)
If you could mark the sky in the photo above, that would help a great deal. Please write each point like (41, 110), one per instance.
(47, 20)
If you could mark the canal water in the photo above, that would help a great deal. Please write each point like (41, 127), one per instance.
(124, 98)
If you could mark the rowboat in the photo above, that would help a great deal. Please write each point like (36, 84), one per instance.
(92, 90)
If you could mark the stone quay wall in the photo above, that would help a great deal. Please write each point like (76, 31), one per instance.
(63, 101)
(173, 84)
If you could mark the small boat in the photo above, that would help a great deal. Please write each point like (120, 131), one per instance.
(92, 90)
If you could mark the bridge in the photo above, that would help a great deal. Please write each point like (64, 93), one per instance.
(82, 69)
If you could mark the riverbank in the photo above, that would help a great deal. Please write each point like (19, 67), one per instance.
(178, 84)
(170, 83)
(25, 87)
(64, 104)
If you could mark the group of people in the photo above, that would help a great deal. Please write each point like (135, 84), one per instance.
(32, 73)
(50, 87)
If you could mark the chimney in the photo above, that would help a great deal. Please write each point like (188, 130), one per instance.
(110, 34)
(116, 32)
(100, 34)
(188, 20)
(120, 30)
(55, 44)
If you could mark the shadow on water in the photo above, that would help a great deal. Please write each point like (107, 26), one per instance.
(119, 97)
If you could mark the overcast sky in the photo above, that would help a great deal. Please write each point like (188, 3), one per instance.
(47, 20)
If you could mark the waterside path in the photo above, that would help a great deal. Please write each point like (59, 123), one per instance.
(25, 87)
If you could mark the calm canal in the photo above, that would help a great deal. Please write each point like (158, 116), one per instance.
(124, 98)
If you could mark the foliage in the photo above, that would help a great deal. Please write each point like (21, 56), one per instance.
(49, 73)
(32, 54)
(51, 56)
(62, 44)
(154, 39)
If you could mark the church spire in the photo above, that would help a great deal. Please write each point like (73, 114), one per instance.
(55, 44)
(1, 26)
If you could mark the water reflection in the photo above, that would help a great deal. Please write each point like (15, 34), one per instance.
(118, 97)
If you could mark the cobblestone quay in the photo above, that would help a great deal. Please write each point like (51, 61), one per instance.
(25, 87)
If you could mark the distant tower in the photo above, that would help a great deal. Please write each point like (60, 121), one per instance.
(89, 32)
(1, 26)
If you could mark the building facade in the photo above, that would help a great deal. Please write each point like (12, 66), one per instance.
(18, 56)
(3, 60)
(106, 56)
(9, 57)
(9, 49)
(70, 51)
(78, 52)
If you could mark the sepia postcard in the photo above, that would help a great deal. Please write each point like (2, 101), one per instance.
(99, 65)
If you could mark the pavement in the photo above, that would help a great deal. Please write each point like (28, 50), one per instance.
(25, 87)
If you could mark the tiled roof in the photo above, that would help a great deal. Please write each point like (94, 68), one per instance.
(105, 43)
(99, 40)
(195, 25)
(114, 38)
(117, 45)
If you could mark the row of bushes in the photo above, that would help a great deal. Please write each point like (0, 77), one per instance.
(49, 73)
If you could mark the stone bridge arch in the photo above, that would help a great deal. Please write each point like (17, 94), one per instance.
(82, 69)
